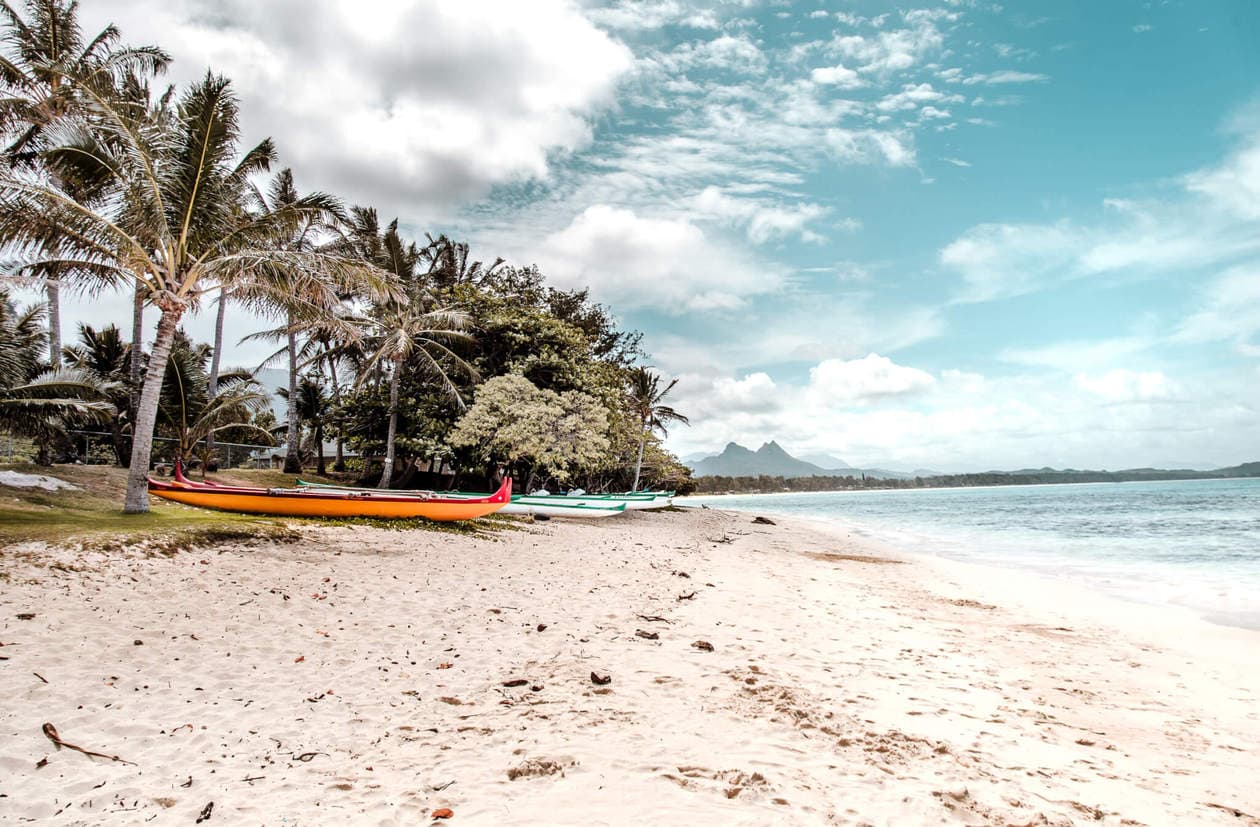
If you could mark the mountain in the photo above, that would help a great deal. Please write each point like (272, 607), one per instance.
(770, 459)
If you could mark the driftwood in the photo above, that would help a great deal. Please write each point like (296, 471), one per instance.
(51, 732)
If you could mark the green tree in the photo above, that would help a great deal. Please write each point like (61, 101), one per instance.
(190, 414)
(312, 408)
(104, 354)
(647, 400)
(43, 404)
(171, 222)
(514, 423)
(408, 333)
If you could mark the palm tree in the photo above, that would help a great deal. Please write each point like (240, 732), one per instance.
(311, 405)
(410, 333)
(189, 412)
(647, 401)
(449, 265)
(104, 354)
(42, 52)
(172, 223)
(37, 403)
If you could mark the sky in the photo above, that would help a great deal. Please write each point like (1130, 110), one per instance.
(957, 235)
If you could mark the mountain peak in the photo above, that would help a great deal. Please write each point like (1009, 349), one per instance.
(736, 461)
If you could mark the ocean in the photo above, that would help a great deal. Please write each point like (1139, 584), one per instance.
(1188, 543)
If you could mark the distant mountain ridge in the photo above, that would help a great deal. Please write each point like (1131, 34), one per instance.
(772, 461)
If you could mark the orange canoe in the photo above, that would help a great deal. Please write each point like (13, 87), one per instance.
(286, 502)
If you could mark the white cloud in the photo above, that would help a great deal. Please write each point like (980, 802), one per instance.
(839, 76)
(762, 221)
(913, 96)
(1005, 76)
(1114, 418)
(666, 263)
(1121, 386)
(871, 377)
(1213, 220)
(1235, 184)
(893, 50)
(651, 14)
(1073, 355)
(1229, 310)
(997, 260)
(728, 53)
(359, 108)
(864, 146)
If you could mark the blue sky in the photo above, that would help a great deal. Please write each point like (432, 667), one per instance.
(951, 234)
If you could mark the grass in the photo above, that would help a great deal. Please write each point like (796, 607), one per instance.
(92, 517)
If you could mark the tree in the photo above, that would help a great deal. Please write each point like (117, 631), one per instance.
(409, 332)
(303, 304)
(312, 408)
(37, 403)
(647, 400)
(172, 222)
(187, 410)
(514, 423)
(43, 51)
(104, 355)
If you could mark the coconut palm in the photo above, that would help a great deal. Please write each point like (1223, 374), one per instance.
(37, 403)
(647, 400)
(312, 409)
(41, 52)
(105, 355)
(167, 216)
(191, 414)
(319, 308)
(411, 333)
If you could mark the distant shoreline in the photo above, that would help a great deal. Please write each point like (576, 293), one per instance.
(682, 501)
(818, 484)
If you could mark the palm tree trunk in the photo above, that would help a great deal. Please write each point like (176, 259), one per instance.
(137, 500)
(638, 468)
(212, 382)
(292, 458)
(319, 448)
(340, 463)
(136, 362)
(54, 324)
(137, 346)
(387, 472)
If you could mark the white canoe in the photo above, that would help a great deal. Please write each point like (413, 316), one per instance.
(565, 509)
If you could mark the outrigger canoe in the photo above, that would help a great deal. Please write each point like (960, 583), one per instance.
(298, 502)
(520, 504)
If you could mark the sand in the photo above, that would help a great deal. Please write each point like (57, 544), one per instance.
(359, 678)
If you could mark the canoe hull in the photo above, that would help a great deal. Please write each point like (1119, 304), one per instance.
(287, 503)
(579, 512)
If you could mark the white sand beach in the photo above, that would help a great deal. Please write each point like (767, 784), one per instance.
(364, 677)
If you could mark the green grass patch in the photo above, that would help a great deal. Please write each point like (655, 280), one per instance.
(92, 516)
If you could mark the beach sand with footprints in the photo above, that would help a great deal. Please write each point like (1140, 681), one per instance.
(671, 668)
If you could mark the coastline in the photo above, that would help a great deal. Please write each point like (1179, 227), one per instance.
(842, 688)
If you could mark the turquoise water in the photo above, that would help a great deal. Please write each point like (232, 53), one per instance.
(1194, 543)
